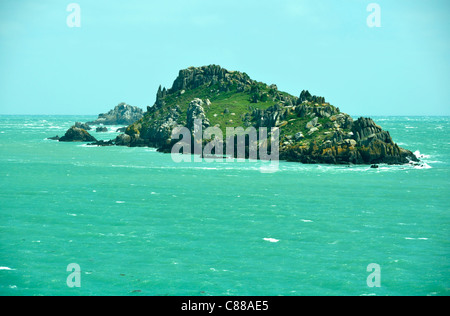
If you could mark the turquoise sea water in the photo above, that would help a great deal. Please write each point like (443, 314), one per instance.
(138, 223)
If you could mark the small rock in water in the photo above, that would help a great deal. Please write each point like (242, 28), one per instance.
(101, 129)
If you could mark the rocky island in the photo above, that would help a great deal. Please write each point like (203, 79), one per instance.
(76, 134)
(122, 114)
(311, 129)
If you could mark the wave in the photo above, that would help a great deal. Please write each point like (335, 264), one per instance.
(423, 166)
(271, 239)
(420, 156)
(88, 146)
(7, 268)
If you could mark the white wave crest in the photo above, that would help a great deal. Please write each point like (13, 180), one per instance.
(6, 268)
(420, 156)
(271, 239)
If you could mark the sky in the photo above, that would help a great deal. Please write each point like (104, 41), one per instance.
(123, 50)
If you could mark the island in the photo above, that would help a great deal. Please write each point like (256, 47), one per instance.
(311, 130)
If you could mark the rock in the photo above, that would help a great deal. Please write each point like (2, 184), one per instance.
(270, 117)
(75, 134)
(374, 166)
(299, 136)
(101, 129)
(196, 111)
(313, 130)
(376, 145)
(122, 114)
(84, 126)
(102, 143)
(194, 77)
(121, 130)
(54, 138)
(123, 140)
(305, 96)
(312, 123)
(350, 142)
(365, 131)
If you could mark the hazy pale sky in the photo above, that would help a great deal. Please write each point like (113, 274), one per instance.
(125, 49)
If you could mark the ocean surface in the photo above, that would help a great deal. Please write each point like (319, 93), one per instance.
(138, 223)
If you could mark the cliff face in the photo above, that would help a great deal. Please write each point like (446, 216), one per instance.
(311, 130)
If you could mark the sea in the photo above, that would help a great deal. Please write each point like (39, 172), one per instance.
(87, 220)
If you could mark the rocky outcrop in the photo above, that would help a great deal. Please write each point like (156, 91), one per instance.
(376, 145)
(196, 112)
(271, 117)
(76, 134)
(101, 129)
(194, 77)
(305, 96)
(122, 114)
(367, 143)
(84, 126)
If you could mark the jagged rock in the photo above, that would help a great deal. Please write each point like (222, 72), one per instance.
(122, 114)
(54, 138)
(75, 134)
(312, 123)
(101, 129)
(123, 140)
(196, 111)
(84, 126)
(102, 143)
(270, 117)
(305, 109)
(365, 131)
(195, 77)
(121, 130)
(305, 96)
(342, 120)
